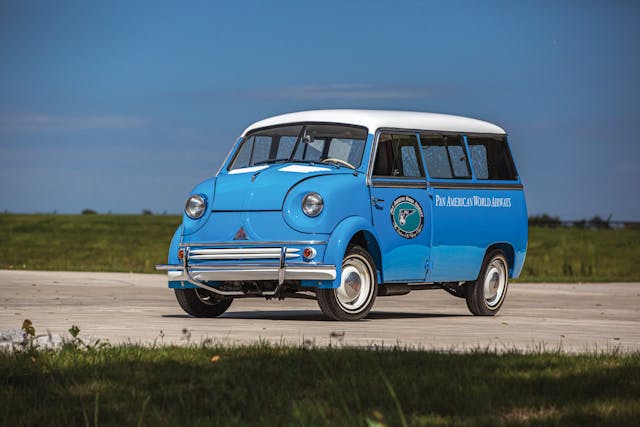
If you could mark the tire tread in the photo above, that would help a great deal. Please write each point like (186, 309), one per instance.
(192, 305)
(327, 299)
(475, 291)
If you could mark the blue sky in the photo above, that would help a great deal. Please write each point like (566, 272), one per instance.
(124, 106)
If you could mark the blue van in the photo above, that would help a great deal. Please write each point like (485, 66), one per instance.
(342, 206)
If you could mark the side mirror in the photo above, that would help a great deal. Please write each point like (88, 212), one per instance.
(308, 137)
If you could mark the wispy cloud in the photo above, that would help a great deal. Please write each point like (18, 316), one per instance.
(333, 91)
(343, 91)
(39, 123)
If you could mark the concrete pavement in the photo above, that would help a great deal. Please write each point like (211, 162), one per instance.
(121, 307)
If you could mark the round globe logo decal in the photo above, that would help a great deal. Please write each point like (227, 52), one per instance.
(407, 217)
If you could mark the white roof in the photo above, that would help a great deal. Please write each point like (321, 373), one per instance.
(375, 119)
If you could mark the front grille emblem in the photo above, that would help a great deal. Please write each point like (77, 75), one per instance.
(240, 235)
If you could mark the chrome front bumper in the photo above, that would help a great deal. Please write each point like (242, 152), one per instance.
(209, 267)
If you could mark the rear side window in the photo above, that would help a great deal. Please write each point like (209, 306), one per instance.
(398, 156)
(445, 156)
(491, 158)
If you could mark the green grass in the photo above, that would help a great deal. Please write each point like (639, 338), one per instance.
(267, 385)
(578, 255)
(136, 243)
(128, 243)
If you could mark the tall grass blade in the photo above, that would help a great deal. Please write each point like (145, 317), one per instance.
(144, 407)
(392, 392)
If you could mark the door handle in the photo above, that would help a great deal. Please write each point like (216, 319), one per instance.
(375, 202)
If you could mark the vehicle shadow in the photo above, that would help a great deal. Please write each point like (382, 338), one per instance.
(313, 315)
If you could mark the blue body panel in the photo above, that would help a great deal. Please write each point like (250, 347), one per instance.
(459, 223)
(466, 222)
(403, 259)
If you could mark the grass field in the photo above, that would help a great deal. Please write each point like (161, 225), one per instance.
(266, 385)
(128, 243)
(137, 242)
(578, 255)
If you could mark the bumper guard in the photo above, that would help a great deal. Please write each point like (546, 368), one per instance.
(198, 274)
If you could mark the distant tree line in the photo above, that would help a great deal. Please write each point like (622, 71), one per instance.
(596, 222)
(93, 212)
(539, 220)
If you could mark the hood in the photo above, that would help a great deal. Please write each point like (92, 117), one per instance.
(263, 188)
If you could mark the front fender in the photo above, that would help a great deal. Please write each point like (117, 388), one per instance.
(339, 242)
(174, 245)
(207, 190)
(173, 258)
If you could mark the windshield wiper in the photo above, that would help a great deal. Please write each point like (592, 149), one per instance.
(265, 162)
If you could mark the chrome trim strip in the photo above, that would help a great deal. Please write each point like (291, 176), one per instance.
(248, 243)
(244, 253)
(272, 272)
(216, 251)
(229, 266)
(476, 185)
(399, 184)
(283, 257)
(241, 251)
(372, 157)
(243, 256)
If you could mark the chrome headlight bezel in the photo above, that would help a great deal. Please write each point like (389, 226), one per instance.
(195, 206)
(312, 204)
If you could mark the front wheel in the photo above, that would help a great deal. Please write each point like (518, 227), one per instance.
(486, 295)
(358, 288)
(202, 303)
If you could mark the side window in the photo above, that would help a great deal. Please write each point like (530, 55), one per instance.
(445, 156)
(479, 160)
(398, 156)
(491, 158)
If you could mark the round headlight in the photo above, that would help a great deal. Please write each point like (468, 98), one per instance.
(312, 204)
(195, 206)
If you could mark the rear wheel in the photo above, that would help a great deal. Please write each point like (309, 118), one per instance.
(202, 303)
(486, 295)
(358, 288)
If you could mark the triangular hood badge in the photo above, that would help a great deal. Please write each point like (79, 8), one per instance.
(240, 235)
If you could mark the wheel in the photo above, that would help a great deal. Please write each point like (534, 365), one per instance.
(486, 295)
(358, 288)
(202, 303)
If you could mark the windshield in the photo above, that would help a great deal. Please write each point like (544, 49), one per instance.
(307, 143)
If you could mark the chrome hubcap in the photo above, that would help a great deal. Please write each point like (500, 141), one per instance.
(495, 282)
(207, 297)
(352, 285)
(356, 285)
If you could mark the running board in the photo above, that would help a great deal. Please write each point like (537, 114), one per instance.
(391, 289)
